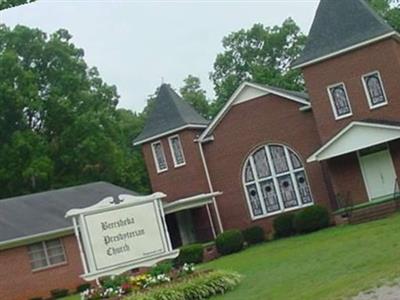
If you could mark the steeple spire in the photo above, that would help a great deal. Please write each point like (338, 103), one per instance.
(170, 113)
(340, 26)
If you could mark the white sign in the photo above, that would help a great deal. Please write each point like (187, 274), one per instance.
(116, 235)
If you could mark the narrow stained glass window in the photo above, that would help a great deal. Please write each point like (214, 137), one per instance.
(288, 193)
(374, 87)
(261, 163)
(249, 173)
(159, 156)
(279, 159)
(304, 189)
(177, 152)
(270, 196)
(254, 200)
(340, 100)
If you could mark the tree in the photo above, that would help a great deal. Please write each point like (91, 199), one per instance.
(59, 124)
(195, 95)
(262, 54)
(4, 4)
(389, 10)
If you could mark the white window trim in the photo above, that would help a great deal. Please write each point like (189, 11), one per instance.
(274, 177)
(371, 106)
(171, 148)
(155, 157)
(45, 250)
(337, 117)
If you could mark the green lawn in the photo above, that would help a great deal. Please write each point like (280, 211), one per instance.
(331, 264)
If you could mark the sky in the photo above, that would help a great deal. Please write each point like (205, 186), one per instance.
(137, 45)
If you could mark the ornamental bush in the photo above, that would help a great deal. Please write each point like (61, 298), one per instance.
(311, 219)
(283, 225)
(254, 235)
(59, 293)
(191, 254)
(230, 241)
(202, 286)
(161, 268)
(83, 287)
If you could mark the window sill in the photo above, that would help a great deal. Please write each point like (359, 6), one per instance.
(343, 117)
(50, 267)
(378, 106)
(281, 212)
(179, 166)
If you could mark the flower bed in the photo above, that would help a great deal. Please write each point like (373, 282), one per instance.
(166, 283)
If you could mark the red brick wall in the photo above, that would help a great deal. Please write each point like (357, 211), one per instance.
(19, 282)
(180, 182)
(268, 119)
(347, 179)
(348, 68)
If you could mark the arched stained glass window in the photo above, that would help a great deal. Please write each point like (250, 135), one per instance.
(374, 89)
(275, 181)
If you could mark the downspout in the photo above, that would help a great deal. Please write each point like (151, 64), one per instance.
(203, 159)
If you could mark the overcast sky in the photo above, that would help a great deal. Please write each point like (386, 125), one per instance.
(135, 44)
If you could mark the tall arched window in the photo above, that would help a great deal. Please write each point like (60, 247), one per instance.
(275, 181)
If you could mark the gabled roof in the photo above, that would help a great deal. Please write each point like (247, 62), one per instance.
(356, 136)
(169, 114)
(249, 91)
(42, 213)
(340, 26)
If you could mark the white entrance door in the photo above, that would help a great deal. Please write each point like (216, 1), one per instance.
(378, 172)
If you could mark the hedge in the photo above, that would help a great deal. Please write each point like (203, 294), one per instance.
(201, 286)
(191, 254)
(311, 219)
(254, 235)
(283, 225)
(230, 241)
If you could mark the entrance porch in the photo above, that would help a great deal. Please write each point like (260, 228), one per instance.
(363, 163)
(190, 220)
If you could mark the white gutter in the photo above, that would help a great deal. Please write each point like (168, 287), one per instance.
(35, 237)
(203, 159)
(359, 45)
(152, 138)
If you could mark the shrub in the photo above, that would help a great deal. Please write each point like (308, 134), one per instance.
(191, 254)
(162, 268)
(254, 235)
(36, 298)
(203, 286)
(82, 287)
(114, 282)
(311, 219)
(59, 293)
(230, 241)
(283, 225)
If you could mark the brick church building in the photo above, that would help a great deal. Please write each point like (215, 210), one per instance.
(268, 151)
(271, 151)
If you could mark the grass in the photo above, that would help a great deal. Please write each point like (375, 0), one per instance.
(335, 263)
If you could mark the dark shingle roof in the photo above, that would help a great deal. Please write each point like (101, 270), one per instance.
(39, 213)
(170, 112)
(340, 24)
(302, 95)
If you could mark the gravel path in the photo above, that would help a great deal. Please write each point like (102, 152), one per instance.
(385, 292)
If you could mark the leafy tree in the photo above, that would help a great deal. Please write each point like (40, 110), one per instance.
(389, 10)
(195, 95)
(262, 54)
(59, 124)
(4, 4)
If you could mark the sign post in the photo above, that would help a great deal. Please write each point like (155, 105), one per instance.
(119, 234)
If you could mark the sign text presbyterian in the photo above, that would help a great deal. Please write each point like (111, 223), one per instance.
(117, 237)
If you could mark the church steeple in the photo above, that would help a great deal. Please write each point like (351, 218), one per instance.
(170, 113)
(340, 26)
